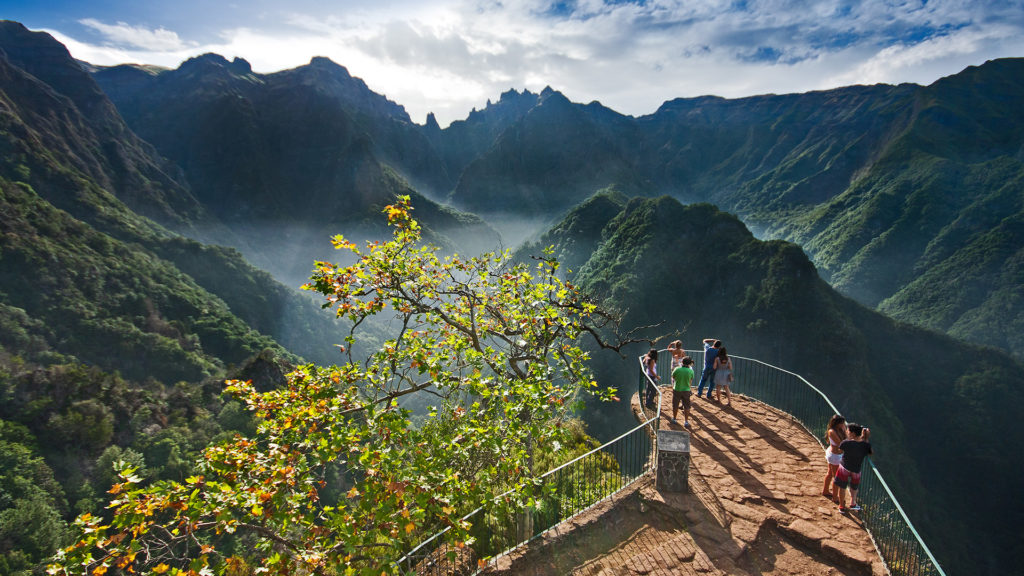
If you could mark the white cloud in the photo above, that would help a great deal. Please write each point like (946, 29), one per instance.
(941, 55)
(448, 56)
(136, 37)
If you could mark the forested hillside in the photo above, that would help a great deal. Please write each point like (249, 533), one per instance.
(933, 403)
(907, 198)
(115, 333)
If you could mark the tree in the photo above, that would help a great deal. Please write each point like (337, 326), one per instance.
(493, 345)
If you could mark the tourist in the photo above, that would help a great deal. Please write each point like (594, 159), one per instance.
(723, 376)
(651, 370)
(855, 449)
(682, 377)
(711, 347)
(835, 435)
(677, 352)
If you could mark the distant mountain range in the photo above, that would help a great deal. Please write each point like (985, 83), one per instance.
(120, 311)
(907, 198)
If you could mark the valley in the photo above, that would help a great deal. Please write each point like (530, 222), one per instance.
(157, 222)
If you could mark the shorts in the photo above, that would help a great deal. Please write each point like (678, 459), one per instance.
(833, 459)
(846, 478)
(680, 397)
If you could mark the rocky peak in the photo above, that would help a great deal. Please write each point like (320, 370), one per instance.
(215, 63)
(432, 125)
(328, 77)
(44, 57)
(323, 63)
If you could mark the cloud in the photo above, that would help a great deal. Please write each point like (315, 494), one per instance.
(927, 60)
(136, 37)
(449, 56)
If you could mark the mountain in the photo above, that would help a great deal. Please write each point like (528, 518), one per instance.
(907, 198)
(938, 408)
(55, 166)
(287, 159)
(463, 141)
(865, 178)
(116, 332)
(554, 157)
(45, 86)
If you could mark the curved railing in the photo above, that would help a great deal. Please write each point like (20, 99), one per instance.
(578, 485)
(565, 492)
(898, 542)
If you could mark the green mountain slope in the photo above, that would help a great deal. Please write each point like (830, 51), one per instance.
(557, 155)
(46, 81)
(939, 408)
(289, 159)
(882, 185)
(115, 333)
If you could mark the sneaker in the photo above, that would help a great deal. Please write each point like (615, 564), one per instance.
(673, 420)
(686, 424)
(843, 509)
(855, 507)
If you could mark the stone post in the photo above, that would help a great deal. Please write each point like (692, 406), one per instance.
(673, 461)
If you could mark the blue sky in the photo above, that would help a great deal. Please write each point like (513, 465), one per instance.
(450, 56)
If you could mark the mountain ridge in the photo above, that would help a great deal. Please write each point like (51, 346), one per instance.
(865, 177)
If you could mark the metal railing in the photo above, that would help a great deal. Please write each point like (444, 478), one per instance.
(578, 485)
(565, 492)
(895, 537)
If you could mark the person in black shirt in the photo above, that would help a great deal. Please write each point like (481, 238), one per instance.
(855, 449)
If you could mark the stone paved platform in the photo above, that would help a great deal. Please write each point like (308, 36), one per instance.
(754, 507)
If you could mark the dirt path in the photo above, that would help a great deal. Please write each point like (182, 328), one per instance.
(754, 508)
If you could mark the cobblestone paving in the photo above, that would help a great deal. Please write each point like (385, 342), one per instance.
(754, 508)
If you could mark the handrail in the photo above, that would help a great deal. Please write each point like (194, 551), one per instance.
(916, 568)
(896, 549)
(406, 562)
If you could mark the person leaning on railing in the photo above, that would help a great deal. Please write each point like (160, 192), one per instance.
(711, 347)
(650, 362)
(855, 449)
